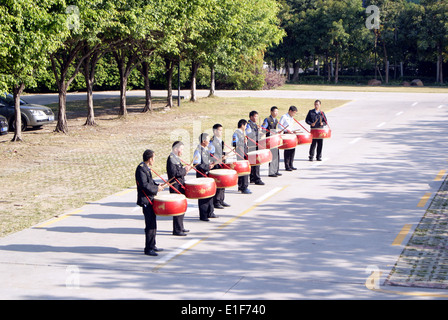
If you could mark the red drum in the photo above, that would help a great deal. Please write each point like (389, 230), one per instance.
(200, 188)
(289, 141)
(270, 142)
(259, 157)
(170, 205)
(322, 133)
(224, 178)
(242, 167)
(304, 137)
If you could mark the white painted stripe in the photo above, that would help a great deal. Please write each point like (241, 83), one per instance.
(399, 113)
(355, 140)
(441, 106)
(267, 195)
(414, 104)
(183, 247)
(381, 124)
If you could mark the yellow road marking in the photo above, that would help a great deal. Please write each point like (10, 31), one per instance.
(402, 234)
(424, 199)
(122, 193)
(59, 218)
(440, 175)
(225, 224)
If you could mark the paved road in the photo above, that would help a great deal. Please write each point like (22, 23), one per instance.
(316, 233)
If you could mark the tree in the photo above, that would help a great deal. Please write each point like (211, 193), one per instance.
(82, 20)
(30, 30)
(434, 32)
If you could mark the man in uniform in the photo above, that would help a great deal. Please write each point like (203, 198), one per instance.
(147, 188)
(316, 119)
(217, 152)
(204, 164)
(286, 124)
(270, 126)
(253, 135)
(240, 144)
(176, 175)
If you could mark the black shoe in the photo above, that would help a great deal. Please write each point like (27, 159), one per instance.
(319, 159)
(205, 219)
(158, 249)
(294, 168)
(214, 216)
(185, 230)
(225, 204)
(279, 174)
(310, 158)
(259, 183)
(246, 191)
(289, 169)
(273, 175)
(182, 234)
(151, 253)
(218, 206)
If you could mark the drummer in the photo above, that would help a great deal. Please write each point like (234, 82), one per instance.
(240, 144)
(287, 126)
(270, 126)
(218, 154)
(147, 188)
(317, 120)
(176, 175)
(253, 134)
(202, 161)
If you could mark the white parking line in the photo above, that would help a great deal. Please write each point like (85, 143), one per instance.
(267, 195)
(355, 140)
(171, 255)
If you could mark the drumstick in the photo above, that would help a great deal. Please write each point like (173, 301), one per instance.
(166, 182)
(195, 168)
(236, 152)
(325, 118)
(221, 161)
(301, 125)
(284, 128)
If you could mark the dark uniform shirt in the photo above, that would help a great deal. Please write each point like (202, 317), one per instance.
(313, 115)
(146, 186)
(174, 169)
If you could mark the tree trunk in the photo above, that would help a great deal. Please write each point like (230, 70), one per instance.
(169, 65)
(386, 62)
(440, 64)
(212, 81)
(336, 76)
(145, 73)
(17, 91)
(194, 72)
(295, 76)
(61, 126)
(89, 66)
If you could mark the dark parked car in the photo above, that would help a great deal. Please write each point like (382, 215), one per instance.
(33, 115)
(3, 125)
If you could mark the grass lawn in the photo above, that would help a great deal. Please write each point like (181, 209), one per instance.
(49, 174)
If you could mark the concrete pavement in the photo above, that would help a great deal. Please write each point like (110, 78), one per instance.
(322, 232)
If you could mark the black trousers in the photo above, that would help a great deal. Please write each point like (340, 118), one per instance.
(319, 144)
(255, 174)
(243, 183)
(289, 158)
(218, 199)
(206, 208)
(150, 227)
(178, 221)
